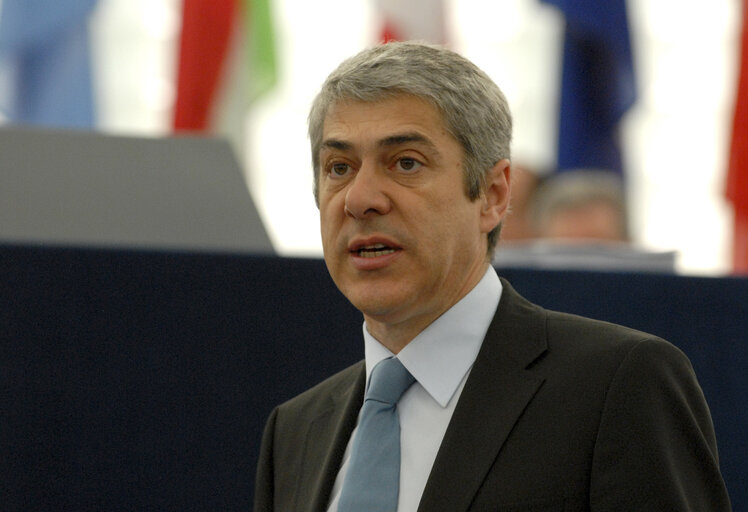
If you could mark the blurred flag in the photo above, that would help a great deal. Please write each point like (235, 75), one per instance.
(737, 175)
(414, 20)
(45, 62)
(260, 42)
(597, 84)
(206, 32)
(213, 33)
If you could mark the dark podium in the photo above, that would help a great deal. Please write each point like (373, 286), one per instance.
(139, 377)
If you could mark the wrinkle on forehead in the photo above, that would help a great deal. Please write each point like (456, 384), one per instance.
(346, 122)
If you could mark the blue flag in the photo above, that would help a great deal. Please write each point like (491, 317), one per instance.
(45, 59)
(597, 85)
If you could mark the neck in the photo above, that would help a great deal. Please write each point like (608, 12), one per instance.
(395, 334)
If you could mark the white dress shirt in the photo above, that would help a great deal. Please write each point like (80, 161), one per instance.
(440, 358)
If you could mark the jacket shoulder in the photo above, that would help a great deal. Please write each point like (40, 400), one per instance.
(322, 395)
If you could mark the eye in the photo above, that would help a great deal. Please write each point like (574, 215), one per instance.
(407, 164)
(339, 169)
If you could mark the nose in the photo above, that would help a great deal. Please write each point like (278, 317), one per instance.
(367, 195)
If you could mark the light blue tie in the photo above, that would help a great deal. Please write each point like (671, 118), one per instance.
(373, 478)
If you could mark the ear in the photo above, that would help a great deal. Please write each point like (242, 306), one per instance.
(495, 196)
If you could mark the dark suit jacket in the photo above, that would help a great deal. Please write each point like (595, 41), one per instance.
(559, 413)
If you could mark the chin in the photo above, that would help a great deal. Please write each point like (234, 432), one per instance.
(373, 302)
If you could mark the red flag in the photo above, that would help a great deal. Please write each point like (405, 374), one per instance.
(206, 32)
(737, 176)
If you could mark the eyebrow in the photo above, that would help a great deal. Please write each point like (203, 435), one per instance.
(392, 140)
(395, 140)
(336, 144)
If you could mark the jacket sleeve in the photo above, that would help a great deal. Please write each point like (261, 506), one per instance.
(656, 447)
(264, 483)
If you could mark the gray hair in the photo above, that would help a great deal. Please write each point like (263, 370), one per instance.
(474, 109)
(576, 188)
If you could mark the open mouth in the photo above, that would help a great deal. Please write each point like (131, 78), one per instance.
(373, 251)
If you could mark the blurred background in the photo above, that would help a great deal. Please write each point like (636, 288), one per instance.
(667, 75)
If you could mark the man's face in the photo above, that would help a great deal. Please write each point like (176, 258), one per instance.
(401, 239)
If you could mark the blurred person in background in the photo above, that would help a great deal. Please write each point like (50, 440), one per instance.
(575, 219)
(584, 205)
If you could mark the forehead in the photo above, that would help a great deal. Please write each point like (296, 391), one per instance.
(389, 113)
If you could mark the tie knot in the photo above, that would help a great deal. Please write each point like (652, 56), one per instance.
(389, 380)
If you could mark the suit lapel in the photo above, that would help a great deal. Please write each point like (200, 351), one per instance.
(326, 442)
(495, 394)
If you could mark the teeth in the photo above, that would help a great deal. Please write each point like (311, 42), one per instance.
(368, 253)
(374, 250)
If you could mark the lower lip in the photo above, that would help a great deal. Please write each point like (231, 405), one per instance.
(374, 263)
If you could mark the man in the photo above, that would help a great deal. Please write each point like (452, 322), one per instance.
(512, 407)
(582, 205)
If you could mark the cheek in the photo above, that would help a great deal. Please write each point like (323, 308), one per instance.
(458, 227)
(330, 226)
(457, 213)
(327, 234)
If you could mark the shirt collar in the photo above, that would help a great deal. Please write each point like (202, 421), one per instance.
(442, 354)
